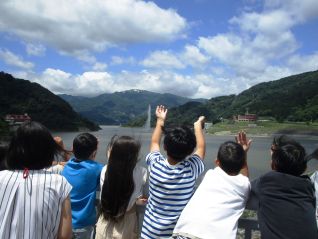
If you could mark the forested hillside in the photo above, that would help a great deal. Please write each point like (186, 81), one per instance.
(19, 96)
(294, 98)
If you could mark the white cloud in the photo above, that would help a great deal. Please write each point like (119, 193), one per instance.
(301, 10)
(163, 59)
(303, 63)
(192, 56)
(261, 45)
(89, 25)
(88, 83)
(98, 66)
(117, 60)
(35, 50)
(14, 60)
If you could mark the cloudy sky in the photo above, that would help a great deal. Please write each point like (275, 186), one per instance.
(193, 48)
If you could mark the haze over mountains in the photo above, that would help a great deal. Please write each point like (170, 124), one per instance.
(121, 107)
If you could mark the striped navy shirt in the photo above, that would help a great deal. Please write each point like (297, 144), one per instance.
(31, 207)
(170, 189)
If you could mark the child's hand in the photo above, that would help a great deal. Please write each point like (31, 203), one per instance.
(243, 141)
(161, 112)
(141, 200)
(200, 121)
(59, 141)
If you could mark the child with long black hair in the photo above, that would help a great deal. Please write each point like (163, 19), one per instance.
(121, 188)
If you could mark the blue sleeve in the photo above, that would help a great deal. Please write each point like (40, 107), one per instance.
(196, 164)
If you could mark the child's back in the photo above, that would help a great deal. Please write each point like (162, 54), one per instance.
(171, 179)
(216, 206)
(284, 199)
(83, 173)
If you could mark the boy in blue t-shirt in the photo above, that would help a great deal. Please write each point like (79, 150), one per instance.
(83, 173)
(171, 179)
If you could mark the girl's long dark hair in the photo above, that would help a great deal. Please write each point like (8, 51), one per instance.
(119, 183)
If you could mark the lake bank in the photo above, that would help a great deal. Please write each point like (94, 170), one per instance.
(266, 129)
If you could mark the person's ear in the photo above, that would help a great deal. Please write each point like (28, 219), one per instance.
(217, 162)
(93, 155)
(273, 166)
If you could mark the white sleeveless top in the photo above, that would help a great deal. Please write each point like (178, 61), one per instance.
(31, 207)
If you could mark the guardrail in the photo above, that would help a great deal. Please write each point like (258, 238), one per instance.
(246, 225)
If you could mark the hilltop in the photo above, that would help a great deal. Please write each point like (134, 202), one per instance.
(121, 107)
(18, 96)
(293, 98)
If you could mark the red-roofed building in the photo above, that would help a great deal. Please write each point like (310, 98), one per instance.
(13, 119)
(245, 118)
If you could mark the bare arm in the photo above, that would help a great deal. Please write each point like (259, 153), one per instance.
(161, 114)
(200, 151)
(65, 227)
(246, 143)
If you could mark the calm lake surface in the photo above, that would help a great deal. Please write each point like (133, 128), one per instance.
(258, 155)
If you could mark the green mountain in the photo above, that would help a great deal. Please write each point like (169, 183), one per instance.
(122, 107)
(19, 96)
(294, 98)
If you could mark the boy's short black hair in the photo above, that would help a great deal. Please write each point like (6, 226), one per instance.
(84, 145)
(32, 146)
(288, 156)
(179, 142)
(232, 157)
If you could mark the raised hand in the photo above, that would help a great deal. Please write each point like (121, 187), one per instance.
(142, 200)
(161, 112)
(243, 140)
(200, 121)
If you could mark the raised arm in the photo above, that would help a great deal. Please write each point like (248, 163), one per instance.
(200, 151)
(161, 114)
(246, 143)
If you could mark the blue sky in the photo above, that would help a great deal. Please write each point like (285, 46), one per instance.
(192, 48)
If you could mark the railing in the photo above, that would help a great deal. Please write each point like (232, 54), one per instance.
(246, 225)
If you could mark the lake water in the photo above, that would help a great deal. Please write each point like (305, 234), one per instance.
(258, 155)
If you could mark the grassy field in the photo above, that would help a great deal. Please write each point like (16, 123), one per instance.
(264, 128)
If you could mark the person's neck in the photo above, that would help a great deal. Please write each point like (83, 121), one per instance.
(172, 161)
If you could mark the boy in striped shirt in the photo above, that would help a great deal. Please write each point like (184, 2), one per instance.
(171, 179)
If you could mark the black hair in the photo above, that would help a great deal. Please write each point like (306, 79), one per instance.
(3, 152)
(32, 146)
(232, 157)
(84, 145)
(288, 156)
(119, 183)
(179, 142)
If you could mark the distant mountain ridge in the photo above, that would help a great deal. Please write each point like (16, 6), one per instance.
(293, 98)
(18, 96)
(121, 107)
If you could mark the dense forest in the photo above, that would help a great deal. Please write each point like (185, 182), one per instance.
(122, 107)
(19, 96)
(294, 98)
